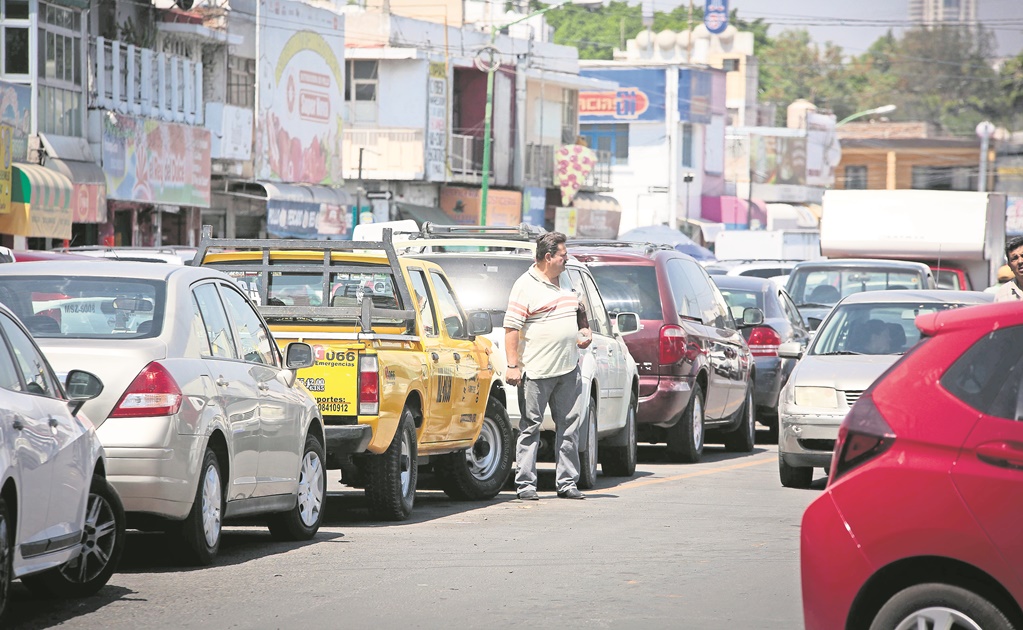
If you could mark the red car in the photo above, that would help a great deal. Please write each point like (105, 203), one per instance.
(921, 523)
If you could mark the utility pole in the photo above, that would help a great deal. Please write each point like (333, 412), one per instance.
(358, 191)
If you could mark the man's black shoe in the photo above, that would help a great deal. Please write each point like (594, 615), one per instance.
(571, 493)
(528, 495)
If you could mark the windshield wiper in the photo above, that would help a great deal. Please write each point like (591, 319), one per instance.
(814, 305)
(838, 352)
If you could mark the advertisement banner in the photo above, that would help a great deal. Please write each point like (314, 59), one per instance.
(534, 206)
(436, 123)
(89, 203)
(301, 86)
(146, 160)
(823, 151)
(6, 135)
(16, 111)
(778, 160)
(715, 16)
(565, 221)
(640, 96)
(309, 220)
(231, 129)
(504, 207)
(1014, 216)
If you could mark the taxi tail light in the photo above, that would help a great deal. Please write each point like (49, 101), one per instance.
(864, 435)
(671, 344)
(764, 342)
(153, 393)
(369, 385)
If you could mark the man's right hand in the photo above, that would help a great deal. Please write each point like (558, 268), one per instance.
(514, 376)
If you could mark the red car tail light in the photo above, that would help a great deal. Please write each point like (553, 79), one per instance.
(671, 344)
(764, 342)
(863, 436)
(369, 385)
(153, 393)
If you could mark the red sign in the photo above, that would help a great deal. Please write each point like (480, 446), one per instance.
(626, 103)
(89, 203)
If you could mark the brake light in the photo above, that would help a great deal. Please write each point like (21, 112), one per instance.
(153, 393)
(764, 342)
(369, 385)
(864, 435)
(671, 344)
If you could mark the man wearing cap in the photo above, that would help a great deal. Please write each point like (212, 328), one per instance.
(1004, 275)
(1013, 289)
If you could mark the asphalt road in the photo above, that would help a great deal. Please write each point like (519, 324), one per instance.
(710, 545)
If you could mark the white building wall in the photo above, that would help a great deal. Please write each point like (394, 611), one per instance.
(641, 186)
(401, 95)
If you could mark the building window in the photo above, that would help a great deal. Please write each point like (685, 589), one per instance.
(687, 145)
(241, 81)
(730, 65)
(944, 178)
(569, 115)
(361, 81)
(61, 52)
(856, 177)
(14, 30)
(612, 138)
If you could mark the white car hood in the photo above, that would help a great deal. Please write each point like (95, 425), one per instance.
(843, 372)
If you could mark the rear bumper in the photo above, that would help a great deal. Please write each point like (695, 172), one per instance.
(345, 440)
(665, 405)
(157, 480)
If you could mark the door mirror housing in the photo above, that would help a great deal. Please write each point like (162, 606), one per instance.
(480, 323)
(626, 323)
(790, 350)
(81, 386)
(299, 355)
(752, 316)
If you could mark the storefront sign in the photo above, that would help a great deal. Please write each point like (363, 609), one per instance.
(309, 220)
(16, 111)
(150, 161)
(6, 134)
(301, 94)
(534, 206)
(640, 96)
(504, 207)
(778, 160)
(436, 123)
(715, 16)
(231, 131)
(89, 202)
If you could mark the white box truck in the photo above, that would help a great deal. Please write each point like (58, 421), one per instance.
(768, 245)
(960, 234)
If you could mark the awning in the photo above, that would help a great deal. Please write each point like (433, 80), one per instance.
(300, 193)
(302, 211)
(597, 216)
(89, 189)
(422, 214)
(40, 203)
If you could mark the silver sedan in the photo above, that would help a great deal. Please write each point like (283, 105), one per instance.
(201, 417)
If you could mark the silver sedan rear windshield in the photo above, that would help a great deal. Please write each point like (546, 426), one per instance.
(85, 307)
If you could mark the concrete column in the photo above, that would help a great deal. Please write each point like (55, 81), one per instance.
(890, 172)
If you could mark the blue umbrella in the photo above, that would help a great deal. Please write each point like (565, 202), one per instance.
(664, 235)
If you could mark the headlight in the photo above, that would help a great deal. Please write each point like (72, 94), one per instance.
(816, 397)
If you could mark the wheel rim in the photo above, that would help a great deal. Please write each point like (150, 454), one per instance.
(211, 502)
(937, 617)
(5, 562)
(310, 489)
(485, 455)
(631, 419)
(697, 422)
(405, 464)
(98, 542)
(591, 438)
(750, 419)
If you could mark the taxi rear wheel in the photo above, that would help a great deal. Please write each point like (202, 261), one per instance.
(391, 475)
(480, 472)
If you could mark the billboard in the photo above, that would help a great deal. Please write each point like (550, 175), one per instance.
(778, 159)
(640, 96)
(504, 207)
(715, 16)
(823, 152)
(16, 111)
(436, 123)
(300, 82)
(309, 220)
(156, 162)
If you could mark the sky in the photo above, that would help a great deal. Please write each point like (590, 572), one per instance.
(856, 24)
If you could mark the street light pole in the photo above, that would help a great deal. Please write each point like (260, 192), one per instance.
(688, 179)
(488, 112)
(984, 131)
(884, 109)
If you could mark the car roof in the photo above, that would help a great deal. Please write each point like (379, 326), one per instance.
(103, 268)
(33, 255)
(641, 252)
(985, 317)
(744, 282)
(937, 296)
(861, 262)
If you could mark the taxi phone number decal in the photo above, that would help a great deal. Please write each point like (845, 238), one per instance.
(333, 405)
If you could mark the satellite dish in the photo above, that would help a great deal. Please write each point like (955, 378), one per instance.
(184, 5)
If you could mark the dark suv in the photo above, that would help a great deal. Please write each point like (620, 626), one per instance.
(695, 370)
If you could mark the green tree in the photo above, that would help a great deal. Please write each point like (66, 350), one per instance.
(1010, 88)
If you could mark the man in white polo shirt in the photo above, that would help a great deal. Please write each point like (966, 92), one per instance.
(542, 342)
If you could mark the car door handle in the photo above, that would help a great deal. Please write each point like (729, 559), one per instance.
(223, 382)
(54, 422)
(435, 356)
(457, 356)
(1003, 454)
(18, 424)
(263, 387)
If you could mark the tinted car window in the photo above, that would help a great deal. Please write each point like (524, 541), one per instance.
(873, 328)
(629, 289)
(449, 310)
(253, 338)
(828, 286)
(590, 298)
(423, 302)
(198, 344)
(740, 299)
(987, 376)
(218, 331)
(8, 372)
(37, 377)
(682, 291)
(790, 309)
(713, 311)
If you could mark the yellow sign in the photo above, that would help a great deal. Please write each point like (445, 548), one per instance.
(6, 134)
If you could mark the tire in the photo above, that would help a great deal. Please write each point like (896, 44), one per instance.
(620, 461)
(102, 545)
(6, 557)
(744, 437)
(933, 602)
(479, 473)
(794, 476)
(201, 531)
(391, 478)
(685, 439)
(588, 459)
(303, 521)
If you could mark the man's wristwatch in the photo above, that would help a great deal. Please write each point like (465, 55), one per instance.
(513, 367)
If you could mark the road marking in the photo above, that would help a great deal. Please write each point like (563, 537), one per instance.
(699, 473)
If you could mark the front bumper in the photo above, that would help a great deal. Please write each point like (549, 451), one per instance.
(809, 439)
(344, 440)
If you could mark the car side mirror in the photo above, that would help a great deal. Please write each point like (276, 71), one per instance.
(299, 355)
(790, 350)
(81, 386)
(752, 316)
(480, 323)
(626, 323)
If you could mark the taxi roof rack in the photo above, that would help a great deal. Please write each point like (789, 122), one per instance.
(611, 243)
(522, 231)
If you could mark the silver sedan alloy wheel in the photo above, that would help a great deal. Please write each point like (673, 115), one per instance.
(211, 505)
(98, 542)
(697, 422)
(310, 489)
(938, 618)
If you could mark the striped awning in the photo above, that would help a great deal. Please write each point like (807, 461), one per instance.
(40, 203)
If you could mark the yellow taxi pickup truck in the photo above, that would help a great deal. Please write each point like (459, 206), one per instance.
(403, 375)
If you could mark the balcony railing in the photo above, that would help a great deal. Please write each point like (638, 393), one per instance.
(143, 82)
(466, 157)
(599, 178)
(541, 169)
(387, 153)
